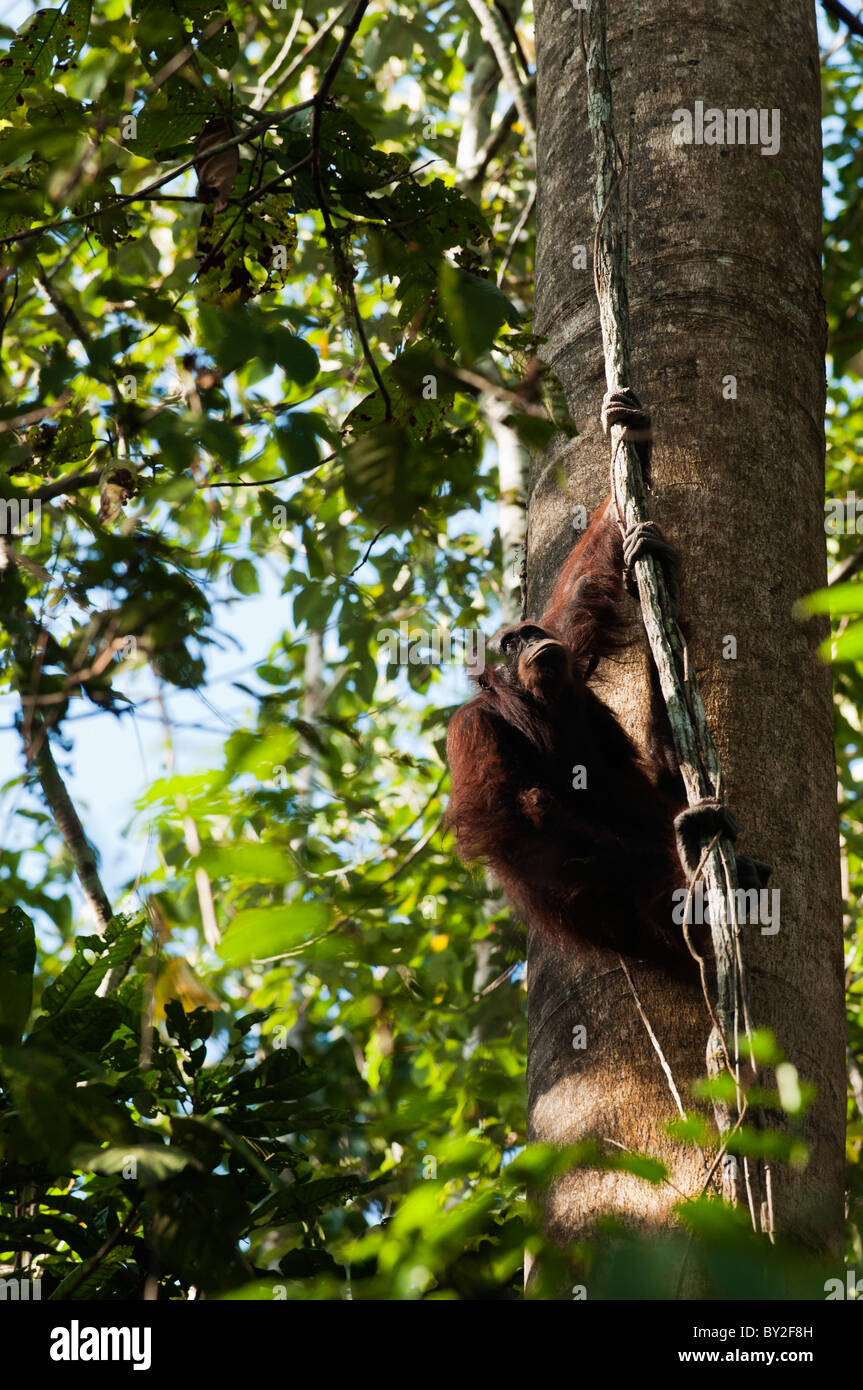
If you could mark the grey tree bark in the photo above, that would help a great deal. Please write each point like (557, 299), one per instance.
(728, 351)
(512, 458)
(513, 461)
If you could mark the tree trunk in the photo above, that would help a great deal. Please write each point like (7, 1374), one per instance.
(724, 283)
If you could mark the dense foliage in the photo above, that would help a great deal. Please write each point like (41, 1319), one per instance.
(251, 311)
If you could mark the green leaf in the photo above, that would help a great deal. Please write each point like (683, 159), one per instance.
(246, 252)
(262, 932)
(149, 1162)
(67, 441)
(249, 863)
(55, 1110)
(82, 977)
(235, 336)
(162, 30)
(297, 359)
(420, 394)
(221, 47)
(48, 35)
(842, 598)
(244, 577)
(168, 121)
(196, 1225)
(283, 1118)
(848, 646)
(388, 477)
(17, 959)
(693, 1130)
(297, 438)
(475, 308)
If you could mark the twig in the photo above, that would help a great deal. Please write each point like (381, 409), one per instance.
(100, 663)
(495, 35)
(180, 59)
(142, 194)
(261, 96)
(723, 1149)
(64, 486)
(76, 327)
(38, 751)
(516, 233)
(265, 482)
(847, 568)
(31, 417)
(845, 16)
(669, 1075)
(86, 1269)
(316, 39)
(403, 863)
(375, 537)
(496, 983)
(497, 138)
(344, 270)
(415, 849)
(68, 823)
(604, 1139)
(73, 322)
(257, 193)
(509, 23)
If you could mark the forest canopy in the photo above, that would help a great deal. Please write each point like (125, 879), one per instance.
(262, 303)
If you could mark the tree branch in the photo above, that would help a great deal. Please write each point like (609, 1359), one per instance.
(35, 734)
(143, 193)
(847, 568)
(509, 23)
(316, 39)
(844, 15)
(76, 327)
(495, 35)
(32, 417)
(344, 275)
(63, 487)
(497, 139)
(86, 1269)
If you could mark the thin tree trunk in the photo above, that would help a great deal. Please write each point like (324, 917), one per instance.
(512, 456)
(36, 735)
(513, 461)
(724, 283)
